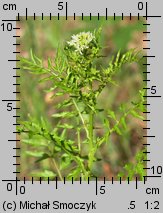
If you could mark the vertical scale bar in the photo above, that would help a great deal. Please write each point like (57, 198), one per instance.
(146, 16)
(17, 77)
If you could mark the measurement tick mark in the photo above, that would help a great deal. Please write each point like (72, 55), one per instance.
(16, 116)
(14, 60)
(130, 16)
(152, 96)
(149, 56)
(96, 186)
(10, 100)
(66, 10)
(106, 14)
(10, 20)
(136, 182)
(152, 16)
(153, 176)
(147, 80)
(10, 180)
(146, 168)
(26, 13)
(146, 48)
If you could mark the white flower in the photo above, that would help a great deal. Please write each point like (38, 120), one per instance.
(81, 41)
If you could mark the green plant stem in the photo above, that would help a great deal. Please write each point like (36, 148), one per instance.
(91, 119)
(79, 142)
(91, 136)
(82, 119)
(91, 141)
(55, 164)
(57, 169)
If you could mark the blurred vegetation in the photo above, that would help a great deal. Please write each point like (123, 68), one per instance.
(44, 37)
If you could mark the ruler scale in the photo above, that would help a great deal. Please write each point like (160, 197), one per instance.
(80, 196)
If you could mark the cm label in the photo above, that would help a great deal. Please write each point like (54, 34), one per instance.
(9, 6)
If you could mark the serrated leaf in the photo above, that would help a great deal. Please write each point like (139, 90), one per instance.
(120, 175)
(66, 126)
(64, 115)
(57, 149)
(136, 115)
(59, 94)
(35, 142)
(75, 174)
(65, 161)
(128, 167)
(44, 174)
(123, 122)
(44, 157)
(46, 79)
(65, 103)
(34, 153)
(68, 145)
(49, 63)
(111, 114)
(117, 130)
(106, 123)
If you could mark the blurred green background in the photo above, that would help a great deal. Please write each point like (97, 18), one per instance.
(43, 37)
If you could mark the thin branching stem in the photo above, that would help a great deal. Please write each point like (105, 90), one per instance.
(82, 119)
(79, 142)
(91, 141)
(57, 169)
(53, 161)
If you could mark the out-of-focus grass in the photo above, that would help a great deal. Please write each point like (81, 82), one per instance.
(44, 37)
